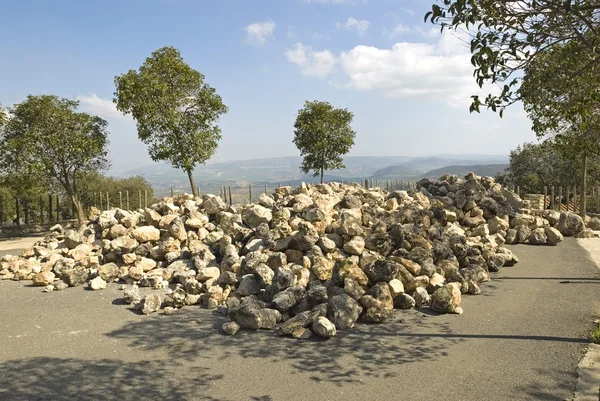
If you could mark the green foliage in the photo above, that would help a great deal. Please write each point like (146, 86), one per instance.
(175, 110)
(533, 166)
(564, 106)
(506, 36)
(46, 139)
(323, 135)
(594, 335)
(95, 184)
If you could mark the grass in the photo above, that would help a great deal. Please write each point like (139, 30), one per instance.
(595, 335)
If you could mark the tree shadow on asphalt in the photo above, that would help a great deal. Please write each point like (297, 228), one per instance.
(551, 389)
(57, 379)
(364, 351)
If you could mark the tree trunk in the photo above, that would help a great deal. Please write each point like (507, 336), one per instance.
(78, 209)
(192, 183)
(583, 203)
(321, 175)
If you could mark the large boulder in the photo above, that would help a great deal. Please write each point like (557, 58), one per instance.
(553, 236)
(381, 270)
(343, 311)
(570, 224)
(146, 234)
(446, 299)
(256, 215)
(249, 315)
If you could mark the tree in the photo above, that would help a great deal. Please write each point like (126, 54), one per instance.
(506, 36)
(175, 110)
(565, 107)
(47, 137)
(535, 165)
(323, 134)
(94, 184)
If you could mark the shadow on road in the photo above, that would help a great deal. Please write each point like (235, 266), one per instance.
(366, 350)
(56, 379)
(537, 391)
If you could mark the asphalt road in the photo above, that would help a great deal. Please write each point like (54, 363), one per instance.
(521, 339)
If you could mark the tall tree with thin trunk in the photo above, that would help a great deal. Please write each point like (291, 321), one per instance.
(323, 135)
(46, 137)
(175, 110)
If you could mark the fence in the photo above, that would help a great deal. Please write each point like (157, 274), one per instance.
(564, 199)
(236, 195)
(22, 210)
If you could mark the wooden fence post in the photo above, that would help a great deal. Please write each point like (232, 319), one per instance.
(545, 196)
(145, 198)
(57, 208)
(18, 211)
(560, 195)
(100, 196)
(230, 201)
(172, 192)
(552, 200)
(127, 199)
(41, 210)
(49, 208)
(107, 201)
(518, 191)
(120, 200)
(250, 193)
(26, 210)
(1, 210)
(266, 191)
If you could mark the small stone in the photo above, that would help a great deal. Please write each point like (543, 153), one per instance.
(43, 279)
(324, 327)
(152, 304)
(97, 284)
(421, 297)
(355, 246)
(230, 328)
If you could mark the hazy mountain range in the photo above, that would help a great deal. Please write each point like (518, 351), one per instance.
(286, 170)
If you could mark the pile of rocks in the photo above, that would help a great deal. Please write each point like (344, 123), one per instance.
(307, 260)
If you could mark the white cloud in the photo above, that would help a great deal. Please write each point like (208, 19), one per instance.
(408, 11)
(312, 63)
(433, 71)
(360, 26)
(397, 31)
(259, 32)
(104, 108)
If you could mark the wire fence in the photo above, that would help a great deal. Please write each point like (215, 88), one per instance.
(49, 208)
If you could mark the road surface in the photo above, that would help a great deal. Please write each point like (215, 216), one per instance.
(521, 339)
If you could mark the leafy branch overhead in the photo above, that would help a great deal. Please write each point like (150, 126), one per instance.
(175, 110)
(323, 135)
(506, 36)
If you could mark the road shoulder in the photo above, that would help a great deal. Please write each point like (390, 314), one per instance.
(588, 382)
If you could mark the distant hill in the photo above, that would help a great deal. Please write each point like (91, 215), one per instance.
(489, 170)
(286, 170)
(418, 167)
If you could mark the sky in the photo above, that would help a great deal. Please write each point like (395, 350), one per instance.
(407, 84)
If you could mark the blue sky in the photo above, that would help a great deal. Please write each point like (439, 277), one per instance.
(407, 85)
